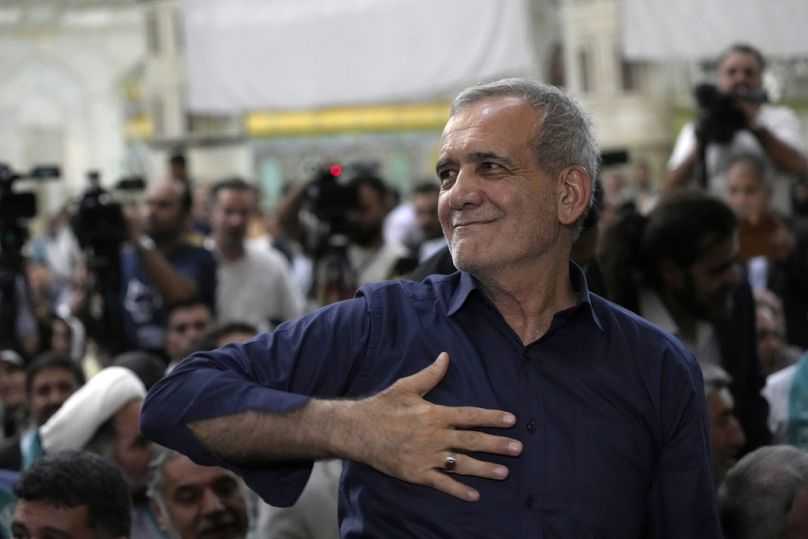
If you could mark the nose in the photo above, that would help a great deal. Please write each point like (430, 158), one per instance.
(737, 435)
(466, 190)
(211, 503)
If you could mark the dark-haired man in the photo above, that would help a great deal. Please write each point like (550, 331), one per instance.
(159, 268)
(772, 132)
(73, 495)
(253, 285)
(693, 288)
(49, 380)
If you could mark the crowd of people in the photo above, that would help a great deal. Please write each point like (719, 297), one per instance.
(473, 357)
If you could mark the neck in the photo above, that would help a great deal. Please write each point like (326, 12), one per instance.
(685, 321)
(528, 299)
(229, 251)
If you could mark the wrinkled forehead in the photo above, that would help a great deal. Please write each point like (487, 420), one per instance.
(493, 124)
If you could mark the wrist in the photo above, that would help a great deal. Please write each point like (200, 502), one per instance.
(144, 243)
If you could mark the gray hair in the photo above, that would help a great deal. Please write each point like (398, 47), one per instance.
(715, 378)
(154, 478)
(758, 491)
(564, 134)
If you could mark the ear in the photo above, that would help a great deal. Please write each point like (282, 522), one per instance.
(671, 274)
(575, 191)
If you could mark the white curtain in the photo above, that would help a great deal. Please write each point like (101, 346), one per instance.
(701, 29)
(293, 54)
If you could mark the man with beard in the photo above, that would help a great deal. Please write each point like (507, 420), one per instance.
(159, 268)
(371, 257)
(49, 380)
(192, 501)
(358, 236)
(691, 285)
(768, 131)
(102, 418)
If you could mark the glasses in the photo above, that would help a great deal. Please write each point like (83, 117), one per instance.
(182, 328)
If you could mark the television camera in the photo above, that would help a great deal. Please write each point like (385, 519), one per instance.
(15, 208)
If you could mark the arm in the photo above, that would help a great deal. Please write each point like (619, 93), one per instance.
(683, 160)
(683, 497)
(783, 156)
(247, 406)
(395, 432)
(679, 176)
(172, 285)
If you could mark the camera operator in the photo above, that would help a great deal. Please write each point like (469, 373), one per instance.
(356, 211)
(773, 132)
(159, 268)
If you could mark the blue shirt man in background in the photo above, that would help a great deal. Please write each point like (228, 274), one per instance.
(548, 411)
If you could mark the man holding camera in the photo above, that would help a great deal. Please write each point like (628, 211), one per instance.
(773, 132)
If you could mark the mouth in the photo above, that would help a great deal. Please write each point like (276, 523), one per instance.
(221, 531)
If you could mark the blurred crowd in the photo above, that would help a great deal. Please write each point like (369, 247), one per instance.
(713, 249)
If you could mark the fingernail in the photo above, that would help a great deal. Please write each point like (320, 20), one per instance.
(509, 419)
(500, 472)
(515, 448)
(472, 495)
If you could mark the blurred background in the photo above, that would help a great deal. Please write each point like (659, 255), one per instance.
(269, 89)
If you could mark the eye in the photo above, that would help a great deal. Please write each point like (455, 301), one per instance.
(225, 486)
(446, 177)
(490, 166)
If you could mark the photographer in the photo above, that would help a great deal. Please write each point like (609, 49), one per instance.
(349, 209)
(773, 132)
(159, 268)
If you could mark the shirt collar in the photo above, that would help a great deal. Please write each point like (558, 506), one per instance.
(467, 284)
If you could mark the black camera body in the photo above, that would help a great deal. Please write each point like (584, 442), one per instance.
(98, 222)
(720, 115)
(330, 197)
(15, 207)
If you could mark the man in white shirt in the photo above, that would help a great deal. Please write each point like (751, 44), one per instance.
(773, 132)
(254, 285)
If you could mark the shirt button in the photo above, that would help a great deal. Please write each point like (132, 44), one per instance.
(530, 501)
(531, 425)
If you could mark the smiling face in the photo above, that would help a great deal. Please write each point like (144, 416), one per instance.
(498, 208)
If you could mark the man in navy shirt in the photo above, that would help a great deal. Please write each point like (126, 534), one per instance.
(159, 268)
(503, 400)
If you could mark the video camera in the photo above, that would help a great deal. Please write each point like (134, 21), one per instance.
(15, 207)
(720, 115)
(330, 197)
(98, 222)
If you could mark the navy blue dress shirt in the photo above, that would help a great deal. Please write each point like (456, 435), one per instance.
(610, 410)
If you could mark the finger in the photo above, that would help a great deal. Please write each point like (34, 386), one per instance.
(444, 483)
(470, 416)
(467, 465)
(424, 380)
(481, 442)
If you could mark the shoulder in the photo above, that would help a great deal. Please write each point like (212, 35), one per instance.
(433, 288)
(639, 334)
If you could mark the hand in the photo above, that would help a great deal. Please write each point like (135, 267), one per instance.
(400, 434)
(132, 219)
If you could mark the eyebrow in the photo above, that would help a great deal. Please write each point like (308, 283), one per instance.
(477, 157)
